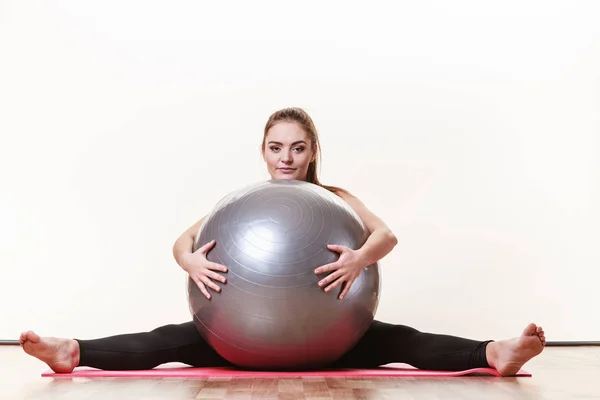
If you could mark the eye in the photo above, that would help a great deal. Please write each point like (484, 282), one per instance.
(299, 149)
(274, 148)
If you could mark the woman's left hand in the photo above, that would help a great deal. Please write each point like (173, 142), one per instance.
(347, 268)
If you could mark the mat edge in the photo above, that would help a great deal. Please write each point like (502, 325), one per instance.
(92, 373)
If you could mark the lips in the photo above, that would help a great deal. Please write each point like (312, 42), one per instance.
(287, 170)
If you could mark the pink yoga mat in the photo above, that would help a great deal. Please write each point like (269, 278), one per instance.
(390, 370)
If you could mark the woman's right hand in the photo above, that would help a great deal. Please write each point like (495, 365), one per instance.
(202, 271)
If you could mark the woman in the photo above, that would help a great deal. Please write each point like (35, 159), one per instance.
(290, 149)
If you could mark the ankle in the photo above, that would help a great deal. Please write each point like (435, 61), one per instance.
(491, 354)
(74, 352)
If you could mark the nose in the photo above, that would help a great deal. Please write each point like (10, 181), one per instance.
(286, 157)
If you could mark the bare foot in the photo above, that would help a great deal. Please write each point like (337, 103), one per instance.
(61, 355)
(508, 356)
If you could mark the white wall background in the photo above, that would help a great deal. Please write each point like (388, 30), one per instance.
(471, 127)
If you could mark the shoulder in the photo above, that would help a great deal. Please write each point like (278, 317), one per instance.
(343, 194)
(369, 218)
(349, 198)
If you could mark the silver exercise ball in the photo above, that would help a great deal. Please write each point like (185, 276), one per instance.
(271, 313)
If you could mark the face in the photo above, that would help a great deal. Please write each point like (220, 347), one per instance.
(287, 151)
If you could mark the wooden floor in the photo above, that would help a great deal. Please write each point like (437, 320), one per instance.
(559, 373)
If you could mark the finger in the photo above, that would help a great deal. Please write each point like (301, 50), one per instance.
(207, 246)
(215, 276)
(328, 267)
(211, 284)
(346, 288)
(336, 283)
(336, 247)
(330, 278)
(202, 288)
(217, 267)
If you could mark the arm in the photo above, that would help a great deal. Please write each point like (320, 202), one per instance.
(381, 240)
(351, 262)
(183, 246)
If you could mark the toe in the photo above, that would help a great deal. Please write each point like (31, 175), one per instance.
(32, 336)
(530, 330)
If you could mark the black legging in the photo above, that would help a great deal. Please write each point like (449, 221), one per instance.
(382, 344)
